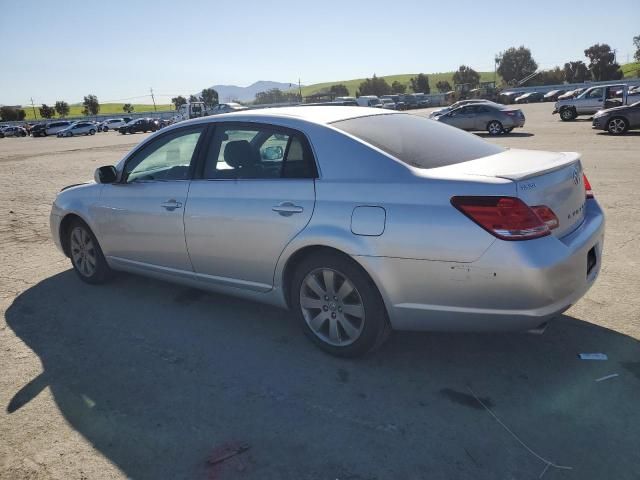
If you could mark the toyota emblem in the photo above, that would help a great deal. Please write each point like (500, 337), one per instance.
(576, 176)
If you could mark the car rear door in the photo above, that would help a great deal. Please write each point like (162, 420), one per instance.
(255, 193)
(140, 218)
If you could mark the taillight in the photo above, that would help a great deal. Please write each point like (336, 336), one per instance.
(588, 193)
(507, 218)
(547, 216)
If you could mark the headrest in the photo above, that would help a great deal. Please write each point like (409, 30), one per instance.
(241, 154)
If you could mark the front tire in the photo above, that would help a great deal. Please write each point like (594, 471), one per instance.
(568, 114)
(338, 305)
(105, 129)
(86, 255)
(617, 126)
(92, 132)
(494, 127)
(507, 130)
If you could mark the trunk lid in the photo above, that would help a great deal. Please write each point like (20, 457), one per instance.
(554, 179)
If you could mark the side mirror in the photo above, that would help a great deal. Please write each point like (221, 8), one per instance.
(107, 174)
(273, 153)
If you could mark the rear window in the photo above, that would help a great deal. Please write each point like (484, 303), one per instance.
(418, 141)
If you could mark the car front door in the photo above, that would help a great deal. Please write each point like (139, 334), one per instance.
(140, 218)
(591, 102)
(461, 118)
(254, 194)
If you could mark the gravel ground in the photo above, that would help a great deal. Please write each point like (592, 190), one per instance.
(146, 380)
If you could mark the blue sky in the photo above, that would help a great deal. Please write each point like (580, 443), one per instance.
(117, 49)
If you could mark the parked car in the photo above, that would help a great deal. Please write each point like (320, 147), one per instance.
(39, 130)
(553, 95)
(461, 103)
(618, 120)
(346, 100)
(227, 108)
(369, 101)
(480, 117)
(530, 97)
(410, 101)
(508, 97)
(113, 124)
(14, 131)
(591, 100)
(139, 125)
(54, 127)
(571, 94)
(455, 238)
(423, 101)
(388, 103)
(78, 128)
(397, 99)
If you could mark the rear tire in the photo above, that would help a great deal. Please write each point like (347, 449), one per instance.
(617, 126)
(494, 127)
(105, 129)
(338, 305)
(92, 132)
(507, 130)
(568, 114)
(86, 255)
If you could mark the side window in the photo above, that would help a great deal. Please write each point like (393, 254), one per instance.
(252, 152)
(596, 93)
(167, 158)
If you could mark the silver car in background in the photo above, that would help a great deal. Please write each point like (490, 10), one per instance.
(78, 128)
(461, 103)
(484, 117)
(359, 220)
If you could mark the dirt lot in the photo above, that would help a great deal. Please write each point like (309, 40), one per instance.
(142, 379)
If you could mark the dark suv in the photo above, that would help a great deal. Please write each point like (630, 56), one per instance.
(140, 125)
(39, 130)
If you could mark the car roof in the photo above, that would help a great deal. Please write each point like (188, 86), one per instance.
(313, 114)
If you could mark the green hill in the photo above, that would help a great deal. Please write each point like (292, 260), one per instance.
(629, 70)
(353, 85)
(114, 109)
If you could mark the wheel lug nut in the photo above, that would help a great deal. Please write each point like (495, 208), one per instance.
(333, 315)
(335, 298)
(325, 308)
(326, 297)
(340, 309)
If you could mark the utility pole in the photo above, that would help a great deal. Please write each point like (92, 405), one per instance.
(299, 89)
(154, 100)
(35, 117)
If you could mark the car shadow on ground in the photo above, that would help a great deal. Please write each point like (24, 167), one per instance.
(505, 135)
(157, 376)
(627, 134)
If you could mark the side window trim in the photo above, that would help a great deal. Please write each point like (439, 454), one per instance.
(206, 146)
(146, 147)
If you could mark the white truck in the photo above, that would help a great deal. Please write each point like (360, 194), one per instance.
(591, 100)
(191, 110)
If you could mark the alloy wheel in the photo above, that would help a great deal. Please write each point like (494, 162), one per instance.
(617, 126)
(494, 128)
(332, 307)
(83, 252)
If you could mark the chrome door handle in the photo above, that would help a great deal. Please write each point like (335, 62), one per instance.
(286, 209)
(171, 204)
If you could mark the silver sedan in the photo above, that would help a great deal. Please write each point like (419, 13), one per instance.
(358, 220)
(78, 128)
(484, 117)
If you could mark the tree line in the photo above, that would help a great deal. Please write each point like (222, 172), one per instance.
(208, 95)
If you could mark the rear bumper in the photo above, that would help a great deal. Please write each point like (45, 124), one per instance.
(513, 286)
